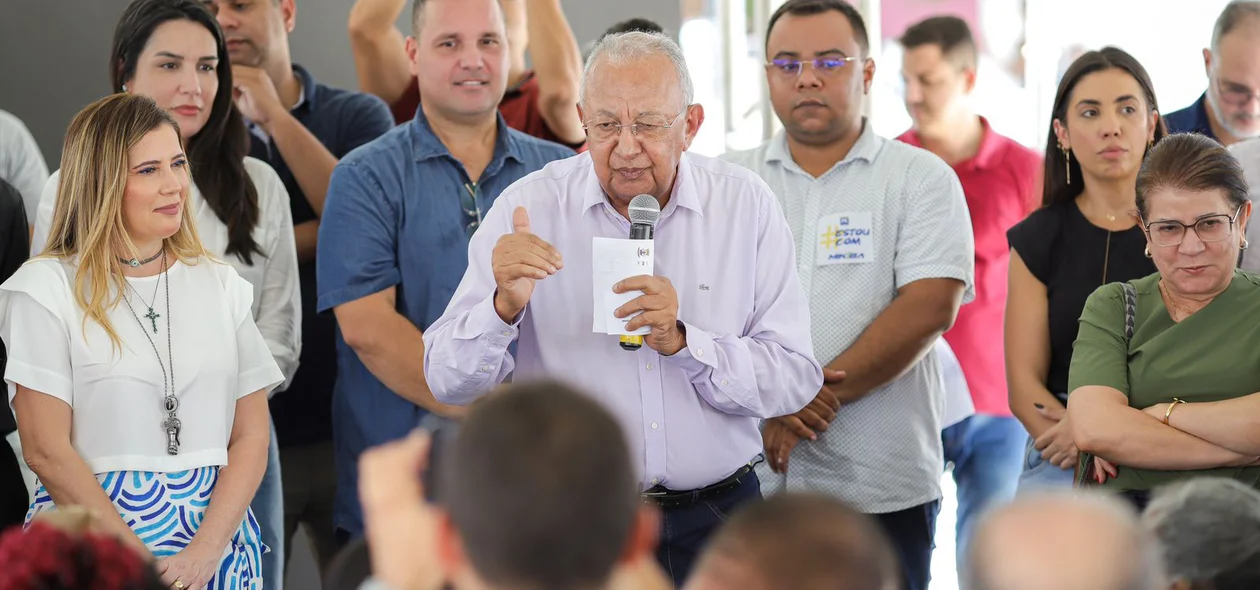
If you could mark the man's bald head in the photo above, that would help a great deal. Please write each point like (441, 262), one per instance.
(798, 541)
(1052, 542)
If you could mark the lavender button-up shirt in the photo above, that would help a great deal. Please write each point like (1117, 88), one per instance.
(692, 418)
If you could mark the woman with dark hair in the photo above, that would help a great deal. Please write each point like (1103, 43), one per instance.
(1105, 119)
(174, 52)
(1164, 375)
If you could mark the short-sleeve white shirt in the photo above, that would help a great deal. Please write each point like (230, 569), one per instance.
(277, 306)
(116, 394)
(887, 215)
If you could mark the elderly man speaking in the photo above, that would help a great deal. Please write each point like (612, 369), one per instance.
(730, 337)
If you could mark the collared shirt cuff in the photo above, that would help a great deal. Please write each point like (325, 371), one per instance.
(487, 321)
(699, 355)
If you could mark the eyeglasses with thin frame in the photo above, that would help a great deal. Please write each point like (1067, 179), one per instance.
(1235, 94)
(791, 68)
(468, 202)
(648, 128)
(1209, 228)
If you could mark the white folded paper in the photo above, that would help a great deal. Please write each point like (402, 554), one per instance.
(614, 260)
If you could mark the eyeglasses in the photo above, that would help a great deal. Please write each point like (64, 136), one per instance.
(650, 128)
(1212, 228)
(1235, 94)
(468, 199)
(791, 68)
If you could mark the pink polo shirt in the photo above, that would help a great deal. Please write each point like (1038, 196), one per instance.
(1002, 185)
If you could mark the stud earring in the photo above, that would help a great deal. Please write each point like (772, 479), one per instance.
(1147, 251)
(1244, 244)
(124, 88)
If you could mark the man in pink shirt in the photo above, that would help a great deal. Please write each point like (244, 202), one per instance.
(999, 178)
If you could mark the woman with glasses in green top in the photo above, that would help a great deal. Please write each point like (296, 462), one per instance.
(1166, 389)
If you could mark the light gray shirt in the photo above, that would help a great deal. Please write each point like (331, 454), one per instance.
(887, 215)
(21, 163)
(1248, 154)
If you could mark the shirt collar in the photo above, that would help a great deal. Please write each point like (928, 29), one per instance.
(986, 157)
(866, 147)
(305, 81)
(425, 144)
(683, 195)
(306, 94)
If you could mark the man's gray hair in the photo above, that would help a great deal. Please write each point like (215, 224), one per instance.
(1234, 14)
(622, 48)
(1209, 528)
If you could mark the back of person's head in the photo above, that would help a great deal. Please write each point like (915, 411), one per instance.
(540, 489)
(1209, 532)
(44, 557)
(88, 221)
(641, 25)
(950, 33)
(1052, 541)
(798, 541)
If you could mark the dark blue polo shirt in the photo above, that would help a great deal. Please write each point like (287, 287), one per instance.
(1192, 119)
(341, 120)
(398, 215)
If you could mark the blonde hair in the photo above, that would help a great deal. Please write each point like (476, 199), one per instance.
(87, 224)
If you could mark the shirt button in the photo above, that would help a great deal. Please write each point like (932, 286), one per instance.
(655, 426)
(507, 333)
(486, 368)
(656, 480)
(725, 382)
(700, 352)
(649, 366)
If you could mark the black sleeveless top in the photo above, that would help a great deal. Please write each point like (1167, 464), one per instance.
(1069, 255)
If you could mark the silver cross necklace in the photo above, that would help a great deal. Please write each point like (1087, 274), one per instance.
(170, 404)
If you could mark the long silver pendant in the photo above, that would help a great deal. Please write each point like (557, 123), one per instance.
(171, 424)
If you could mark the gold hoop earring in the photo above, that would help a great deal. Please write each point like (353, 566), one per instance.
(1067, 163)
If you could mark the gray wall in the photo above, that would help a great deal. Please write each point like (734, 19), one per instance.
(53, 53)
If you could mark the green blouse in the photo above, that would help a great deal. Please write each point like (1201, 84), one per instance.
(1210, 356)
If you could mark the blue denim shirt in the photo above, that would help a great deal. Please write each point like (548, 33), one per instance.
(1192, 119)
(398, 214)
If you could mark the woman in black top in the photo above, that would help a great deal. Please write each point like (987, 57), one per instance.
(1104, 120)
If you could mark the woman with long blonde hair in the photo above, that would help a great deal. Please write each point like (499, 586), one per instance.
(137, 375)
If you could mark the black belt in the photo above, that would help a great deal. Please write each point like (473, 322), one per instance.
(667, 498)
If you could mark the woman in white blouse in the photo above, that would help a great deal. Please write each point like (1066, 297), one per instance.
(174, 52)
(136, 372)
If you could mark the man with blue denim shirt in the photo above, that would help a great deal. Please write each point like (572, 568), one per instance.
(402, 209)
(301, 128)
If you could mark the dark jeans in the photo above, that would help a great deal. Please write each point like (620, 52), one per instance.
(911, 532)
(686, 529)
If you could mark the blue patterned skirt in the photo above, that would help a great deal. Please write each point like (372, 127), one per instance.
(166, 509)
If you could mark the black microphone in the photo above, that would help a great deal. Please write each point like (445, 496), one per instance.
(645, 211)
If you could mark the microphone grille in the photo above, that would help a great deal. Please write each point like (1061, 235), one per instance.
(645, 210)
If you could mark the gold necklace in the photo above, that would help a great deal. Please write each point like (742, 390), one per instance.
(1106, 257)
(1185, 313)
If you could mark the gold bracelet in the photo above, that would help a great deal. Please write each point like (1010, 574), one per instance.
(1170, 409)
